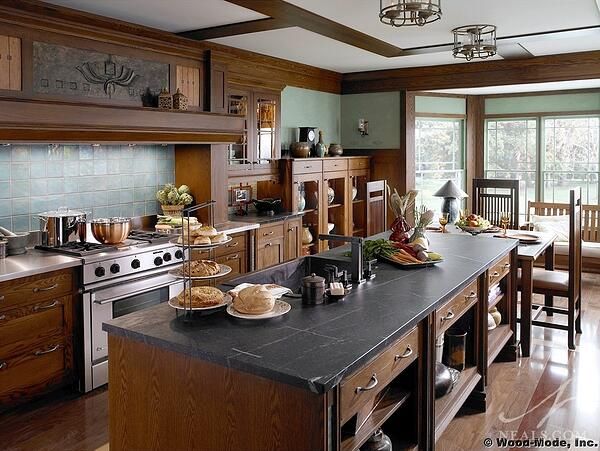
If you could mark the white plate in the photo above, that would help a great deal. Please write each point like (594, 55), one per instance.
(200, 246)
(280, 308)
(178, 273)
(276, 290)
(174, 302)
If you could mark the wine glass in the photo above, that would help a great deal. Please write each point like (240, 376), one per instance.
(443, 219)
(504, 221)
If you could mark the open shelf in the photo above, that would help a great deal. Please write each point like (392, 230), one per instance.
(355, 231)
(494, 301)
(358, 201)
(389, 403)
(309, 211)
(334, 205)
(497, 339)
(447, 406)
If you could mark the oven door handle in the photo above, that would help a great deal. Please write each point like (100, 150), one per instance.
(136, 292)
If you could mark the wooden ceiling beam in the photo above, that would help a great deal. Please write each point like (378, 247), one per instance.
(298, 17)
(235, 29)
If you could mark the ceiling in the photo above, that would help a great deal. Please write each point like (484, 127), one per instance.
(531, 87)
(512, 17)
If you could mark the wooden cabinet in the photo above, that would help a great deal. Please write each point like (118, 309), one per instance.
(376, 208)
(218, 88)
(36, 335)
(293, 238)
(188, 82)
(233, 254)
(10, 63)
(278, 242)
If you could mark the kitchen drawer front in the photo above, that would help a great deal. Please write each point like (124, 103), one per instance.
(35, 288)
(377, 374)
(449, 313)
(269, 253)
(21, 327)
(307, 167)
(270, 232)
(499, 269)
(32, 372)
(335, 164)
(237, 244)
(358, 163)
(237, 263)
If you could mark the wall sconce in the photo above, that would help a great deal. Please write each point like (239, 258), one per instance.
(363, 127)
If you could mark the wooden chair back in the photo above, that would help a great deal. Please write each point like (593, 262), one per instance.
(575, 243)
(590, 216)
(376, 207)
(491, 197)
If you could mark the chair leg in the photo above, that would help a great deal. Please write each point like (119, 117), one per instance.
(571, 323)
(578, 319)
(549, 302)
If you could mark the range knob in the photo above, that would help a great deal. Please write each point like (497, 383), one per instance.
(100, 271)
(179, 254)
(158, 261)
(135, 264)
(167, 257)
(115, 268)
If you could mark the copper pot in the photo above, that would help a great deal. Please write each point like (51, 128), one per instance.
(300, 149)
(110, 230)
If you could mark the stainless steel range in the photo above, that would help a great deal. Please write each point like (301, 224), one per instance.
(117, 280)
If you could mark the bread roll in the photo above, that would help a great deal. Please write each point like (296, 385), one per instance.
(207, 231)
(202, 240)
(254, 300)
(218, 238)
(201, 297)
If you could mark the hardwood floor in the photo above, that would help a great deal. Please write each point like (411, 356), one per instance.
(554, 393)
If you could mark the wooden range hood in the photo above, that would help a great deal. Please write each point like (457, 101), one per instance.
(32, 121)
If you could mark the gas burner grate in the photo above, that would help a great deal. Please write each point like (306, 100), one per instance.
(78, 248)
(147, 235)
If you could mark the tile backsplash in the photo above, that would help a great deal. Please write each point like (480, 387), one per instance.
(100, 180)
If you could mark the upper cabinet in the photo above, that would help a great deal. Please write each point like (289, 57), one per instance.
(10, 63)
(188, 82)
(258, 151)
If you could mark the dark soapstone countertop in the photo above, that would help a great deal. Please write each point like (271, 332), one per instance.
(261, 218)
(313, 347)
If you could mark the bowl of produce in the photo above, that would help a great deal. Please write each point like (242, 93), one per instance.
(473, 224)
(404, 255)
(173, 200)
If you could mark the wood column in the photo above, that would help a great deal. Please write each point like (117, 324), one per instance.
(475, 137)
(407, 141)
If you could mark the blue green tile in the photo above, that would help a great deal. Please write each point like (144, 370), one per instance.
(20, 206)
(126, 196)
(71, 168)
(6, 222)
(19, 171)
(126, 210)
(39, 187)
(164, 165)
(100, 199)
(5, 152)
(100, 153)
(71, 185)
(126, 166)
(21, 223)
(5, 207)
(20, 188)
(139, 209)
(113, 152)
(113, 210)
(112, 167)
(54, 169)
(19, 153)
(86, 152)
(151, 207)
(100, 167)
(39, 204)
(139, 194)
(39, 153)
(55, 186)
(86, 167)
(113, 197)
(38, 169)
(55, 153)
(4, 171)
(100, 212)
(70, 153)
(4, 190)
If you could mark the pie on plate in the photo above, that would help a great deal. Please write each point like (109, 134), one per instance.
(201, 297)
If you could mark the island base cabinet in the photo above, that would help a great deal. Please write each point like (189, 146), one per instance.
(160, 399)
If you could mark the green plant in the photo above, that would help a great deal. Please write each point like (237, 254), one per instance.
(423, 216)
(171, 195)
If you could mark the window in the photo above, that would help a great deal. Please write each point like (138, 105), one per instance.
(439, 157)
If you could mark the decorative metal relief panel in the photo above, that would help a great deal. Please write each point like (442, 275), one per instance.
(60, 70)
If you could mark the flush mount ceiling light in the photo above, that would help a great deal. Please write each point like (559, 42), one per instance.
(398, 13)
(474, 41)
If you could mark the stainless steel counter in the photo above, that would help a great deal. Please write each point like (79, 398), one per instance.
(34, 262)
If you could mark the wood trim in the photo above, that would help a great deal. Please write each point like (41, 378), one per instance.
(407, 140)
(235, 29)
(438, 94)
(569, 66)
(441, 115)
(299, 17)
(475, 140)
(543, 114)
(543, 93)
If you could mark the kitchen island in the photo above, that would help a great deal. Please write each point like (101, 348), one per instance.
(292, 382)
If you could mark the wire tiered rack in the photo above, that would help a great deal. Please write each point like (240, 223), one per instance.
(187, 311)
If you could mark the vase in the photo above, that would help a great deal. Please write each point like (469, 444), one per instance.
(307, 237)
(301, 201)
(320, 147)
(335, 150)
(300, 150)
(354, 192)
(330, 196)
(400, 229)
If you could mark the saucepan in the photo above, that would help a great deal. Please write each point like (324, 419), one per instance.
(61, 226)
(110, 230)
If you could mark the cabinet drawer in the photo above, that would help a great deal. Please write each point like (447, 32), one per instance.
(237, 244)
(237, 263)
(499, 269)
(33, 371)
(20, 327)
(335, 164)
(270, 232)
(358, 163)
(35, 288)
(307, 166)
(364, 384)
(449, 313)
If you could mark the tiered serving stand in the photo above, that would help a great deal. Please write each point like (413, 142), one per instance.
(186, 311)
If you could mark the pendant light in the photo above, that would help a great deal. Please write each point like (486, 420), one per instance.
(474, 41)
(398, 13)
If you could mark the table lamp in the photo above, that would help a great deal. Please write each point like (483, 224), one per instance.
(451, 193)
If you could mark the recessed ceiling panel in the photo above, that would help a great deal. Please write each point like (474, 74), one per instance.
(169, 15)
(531, 87)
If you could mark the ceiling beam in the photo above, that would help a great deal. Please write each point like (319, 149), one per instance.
(235, 29)
(298, 17)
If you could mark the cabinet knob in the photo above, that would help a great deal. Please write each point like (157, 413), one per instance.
(2, 317)
(1, 298)
(233, 257)
(268, 233)
(268, 244)
(471, 295)
(290, 230)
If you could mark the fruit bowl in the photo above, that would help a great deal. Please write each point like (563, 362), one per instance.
(473, 230)
(473, 224)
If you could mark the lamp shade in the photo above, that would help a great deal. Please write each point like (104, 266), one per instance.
(449, 189)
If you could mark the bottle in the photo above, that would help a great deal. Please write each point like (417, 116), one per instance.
(320, 147)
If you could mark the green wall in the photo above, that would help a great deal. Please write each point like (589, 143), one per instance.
(440, 105)
(543, 103)
(307, 108)
(382, 110)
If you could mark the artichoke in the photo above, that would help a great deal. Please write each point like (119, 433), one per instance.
(185, 199)
(183, 189)
(161, 196)
(173, 198)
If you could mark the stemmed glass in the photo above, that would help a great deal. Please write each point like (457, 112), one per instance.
(504, 221)
(443, 219)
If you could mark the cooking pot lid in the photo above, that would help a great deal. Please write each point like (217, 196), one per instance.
(62, 213)
(313, 279)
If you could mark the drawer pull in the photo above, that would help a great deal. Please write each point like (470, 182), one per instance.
(448, 316)
(268, 244)
(50, 288)
(471, 295)
(308, 166)
(233, 244)
(269, 233)
(2, 317)
(46, 351)
(233, 257)
(3, 365)
(506, 265)
(495, 274)
(370, 386)
(290, 230)
(45, 307)
(406, 354)
(1, 298)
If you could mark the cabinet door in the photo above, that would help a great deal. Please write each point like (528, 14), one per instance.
(14, 48)
(358, 198)
(269, 253)
(266, 146)
(218, 88)
(188, 82)
(237, 263)
(4, 63)
(238, 103)
(307, 192)
(376, 207)
(292, 239)
(336, 198)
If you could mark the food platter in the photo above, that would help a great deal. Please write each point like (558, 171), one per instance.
(174, 303)
(474, 230)
(279, 309)
(178, 273)
(200, 246)
(525, 238)
(407, 265)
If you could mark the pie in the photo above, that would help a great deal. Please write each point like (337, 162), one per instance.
(201, 268)
(201, 297)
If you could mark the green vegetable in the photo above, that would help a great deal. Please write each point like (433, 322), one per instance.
(373, 249)
(171, 195)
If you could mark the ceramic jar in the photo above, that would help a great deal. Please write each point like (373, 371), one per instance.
(335, 150)
(330, 195)
(300, 149)
(301, 201)
(320, 147)
(307, 237)
(354, 192)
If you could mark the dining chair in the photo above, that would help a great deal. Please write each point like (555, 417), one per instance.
(563, 284)
(492, 197)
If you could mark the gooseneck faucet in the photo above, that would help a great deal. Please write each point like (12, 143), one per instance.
(356, 253)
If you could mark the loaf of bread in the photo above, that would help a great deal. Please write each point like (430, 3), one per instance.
(201, 268)
(202, 240)
(254, 300)
(201, 297)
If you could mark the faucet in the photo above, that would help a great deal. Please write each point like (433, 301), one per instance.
(357, 253)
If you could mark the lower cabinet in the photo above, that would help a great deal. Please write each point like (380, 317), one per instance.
(293, 239)
(278, 242)
(233, 254)
(36, 335)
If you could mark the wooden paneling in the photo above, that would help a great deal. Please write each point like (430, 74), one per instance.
(376, 207)
(4, 63)
(568, 66)
(35, 288)
(188, 82)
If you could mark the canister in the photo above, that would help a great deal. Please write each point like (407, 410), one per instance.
(313, 289)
